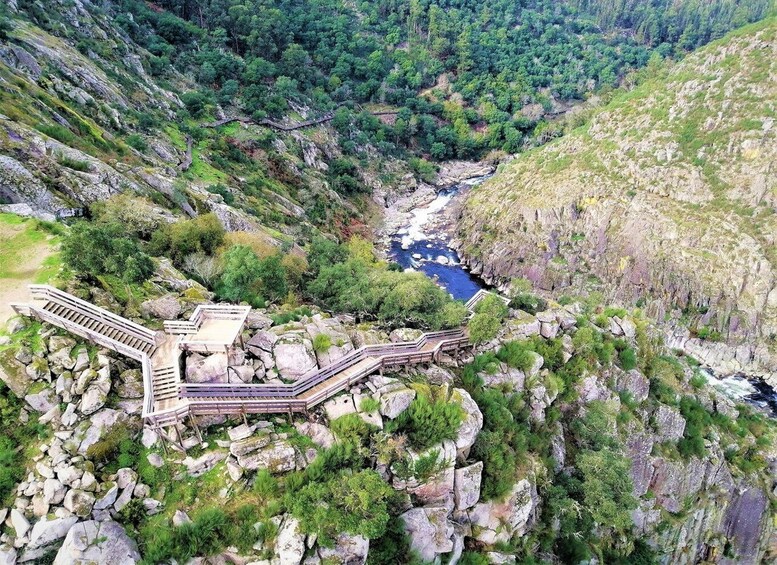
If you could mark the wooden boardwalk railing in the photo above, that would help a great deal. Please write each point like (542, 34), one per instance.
(480, 295)
(168, 400)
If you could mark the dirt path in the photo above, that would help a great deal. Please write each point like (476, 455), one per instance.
(22, 263)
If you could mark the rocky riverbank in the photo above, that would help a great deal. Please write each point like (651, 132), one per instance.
(399, 213)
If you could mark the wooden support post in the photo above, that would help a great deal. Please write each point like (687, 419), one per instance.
(160, 435)
(243, 414)
(195, 426)
(291, 419)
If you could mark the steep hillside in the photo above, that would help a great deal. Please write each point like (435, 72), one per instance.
(666, 198)
(84, 119)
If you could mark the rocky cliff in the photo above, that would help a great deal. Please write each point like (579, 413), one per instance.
(547, 408)
(665, 198)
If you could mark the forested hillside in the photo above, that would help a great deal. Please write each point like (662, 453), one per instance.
(465, 76)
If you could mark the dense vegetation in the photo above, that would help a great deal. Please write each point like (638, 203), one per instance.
(498, 56)
(115, 248)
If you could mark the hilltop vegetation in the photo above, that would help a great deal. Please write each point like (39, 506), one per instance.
(665, 198)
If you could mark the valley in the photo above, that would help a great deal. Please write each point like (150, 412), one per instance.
(318, 282)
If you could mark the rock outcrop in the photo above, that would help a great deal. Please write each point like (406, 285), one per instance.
(656, 198)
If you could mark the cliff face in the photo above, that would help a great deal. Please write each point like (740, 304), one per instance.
(667, 196)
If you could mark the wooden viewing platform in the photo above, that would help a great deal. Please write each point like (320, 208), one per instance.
(168, 400)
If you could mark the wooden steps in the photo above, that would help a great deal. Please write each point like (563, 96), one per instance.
(95, 325)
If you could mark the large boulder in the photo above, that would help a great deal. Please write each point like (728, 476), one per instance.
(97, 542)
(250, 444)
(472, 422)
(341, 344)
(7, 555)
(164, 308)
(395, 401)
(430, 531)
(94, 429)
(318, 433)
(635, 383)
(43, 400)
(294, 355)
(261, 341)
(79, 502)
(670, 424)
(207, 369)
(347, 550)
(46, 531)
(279, 457)
(494, 521)
(290, 542)
(743, 524)
(436, 489)
(96, 394)
(466, 487)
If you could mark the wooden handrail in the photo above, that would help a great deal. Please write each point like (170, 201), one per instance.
(226, 398)
(42, 292)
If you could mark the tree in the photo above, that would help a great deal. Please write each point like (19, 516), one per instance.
(195, 102)
(324, 252)
(241, 279)
(273, 277)
(97, 249)
(203, 234)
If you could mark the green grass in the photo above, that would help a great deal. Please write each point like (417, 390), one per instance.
(19, 237)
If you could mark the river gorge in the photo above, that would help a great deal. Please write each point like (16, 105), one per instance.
(420, 240)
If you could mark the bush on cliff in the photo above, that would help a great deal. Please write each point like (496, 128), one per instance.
(354, 503)
(485, 323)
(427, 422)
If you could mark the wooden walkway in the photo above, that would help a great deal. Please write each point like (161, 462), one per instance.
(168, 400)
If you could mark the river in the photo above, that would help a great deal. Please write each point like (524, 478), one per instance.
(422, 245)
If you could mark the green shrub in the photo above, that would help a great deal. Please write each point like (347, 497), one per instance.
(607, 488)
(293, 316)
(246, 277)
(697, 423)
(369, 405)
(428, 422)
(628, 359)
(527, 302)
(698, 381)
(265, 485)
(111, 444)
(203, 234)
(223, 191)
(517, 355)
(75, 164)
(348, 503)
(321, 343)
(708, 334)
(137, 142)
(10, 470)
(104, 249)
(484, 324)
(392, 547)
(351, 428)
(58, 132)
